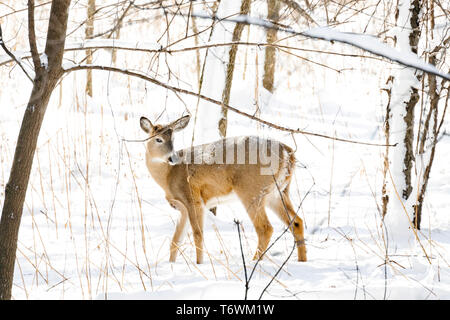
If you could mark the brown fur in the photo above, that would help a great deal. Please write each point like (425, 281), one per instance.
(190, 186)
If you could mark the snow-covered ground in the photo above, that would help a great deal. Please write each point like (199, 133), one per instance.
(96, 226)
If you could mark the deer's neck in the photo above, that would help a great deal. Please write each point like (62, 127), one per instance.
(159, 170)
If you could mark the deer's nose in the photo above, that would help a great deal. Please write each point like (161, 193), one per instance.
(173, 159)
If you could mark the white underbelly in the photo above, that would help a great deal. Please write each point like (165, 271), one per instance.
(217, 201)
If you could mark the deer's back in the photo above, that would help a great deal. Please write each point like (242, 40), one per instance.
(240, 164)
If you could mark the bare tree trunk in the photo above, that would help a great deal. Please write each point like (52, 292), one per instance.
(273, 7)
(433, 111)
(89, 35)
(45, 81)
(431, 135)
(387, 132)
(116, 36)
(237, 32)
(197, 52)
(404, 96)
(409, 159)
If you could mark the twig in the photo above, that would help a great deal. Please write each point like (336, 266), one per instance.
(115, 46)
(219, 103)
(278, 271)
(24, 9)
(279, 237)
(238, 224)
(329, 37)
(32, 37)
(295, 6)
(2, 44)
(276, 240)
(407, 216)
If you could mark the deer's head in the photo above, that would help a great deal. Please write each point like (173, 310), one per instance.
(160, 142)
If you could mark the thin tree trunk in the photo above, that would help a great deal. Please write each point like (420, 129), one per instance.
(197, 52)
(89, 35)
(273, 7)
(116, 36)
(426, 134)
(387, 132)
(237, 32)
(400, 121)
(409, 159)
(15, 191)
(411, 104)
(426, 174)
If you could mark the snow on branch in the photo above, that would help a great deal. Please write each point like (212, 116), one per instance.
(362, 41)
(373, 45)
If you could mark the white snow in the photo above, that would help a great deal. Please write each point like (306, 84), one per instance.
(363, 41)
(374, 45)
(44, 60)
(95, 224)
(207, 115)
(399, 221)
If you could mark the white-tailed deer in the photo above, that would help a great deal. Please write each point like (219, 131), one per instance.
(258, 171)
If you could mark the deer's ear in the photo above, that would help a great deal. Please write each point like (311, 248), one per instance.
(146, 124)
(180, 123)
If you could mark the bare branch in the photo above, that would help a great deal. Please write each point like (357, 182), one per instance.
(356, 41)
(219, 103)
(238, 225)
(32, 37)
(295, 6)
(20, 10)
(117, 46)
(13, 57)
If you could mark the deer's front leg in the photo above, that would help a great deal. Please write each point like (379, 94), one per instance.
(195, 213)
(179, 230)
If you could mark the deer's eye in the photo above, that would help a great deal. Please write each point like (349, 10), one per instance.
(159, 140)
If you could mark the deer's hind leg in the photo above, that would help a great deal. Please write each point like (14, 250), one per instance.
(281, 205)
(256, 211)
